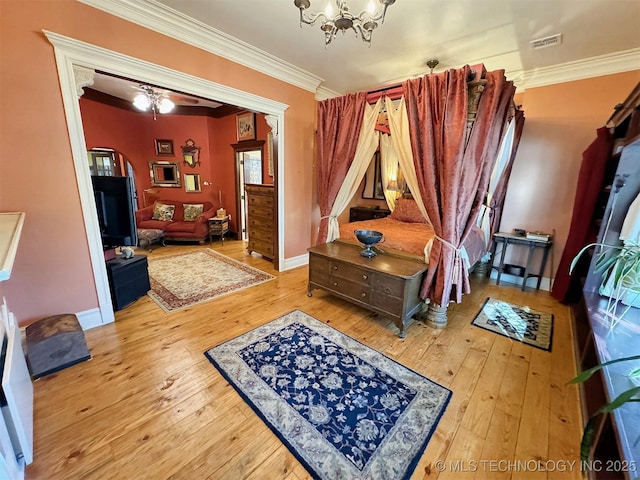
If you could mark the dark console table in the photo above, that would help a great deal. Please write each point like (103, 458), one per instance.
(532, 244)
(128, 280)
(386, 284)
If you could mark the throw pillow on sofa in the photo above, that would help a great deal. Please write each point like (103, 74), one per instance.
(192, 211)
(163, 212)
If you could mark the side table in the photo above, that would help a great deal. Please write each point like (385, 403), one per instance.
(218, 226)
(532, 244)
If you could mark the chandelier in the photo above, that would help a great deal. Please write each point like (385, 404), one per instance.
(363, 24)
(149, 98)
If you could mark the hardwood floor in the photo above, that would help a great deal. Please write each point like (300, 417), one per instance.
(149, 405)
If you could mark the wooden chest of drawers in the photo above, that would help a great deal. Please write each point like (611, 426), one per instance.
(260, 219)
(386, 284)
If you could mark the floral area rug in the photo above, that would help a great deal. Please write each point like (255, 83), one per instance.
(516, 322)
(344, 410)
(179, 281)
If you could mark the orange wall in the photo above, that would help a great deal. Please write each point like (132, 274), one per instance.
(561, 122)
(52, 273)
(133, 135)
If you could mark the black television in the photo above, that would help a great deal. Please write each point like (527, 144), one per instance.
(115, 206)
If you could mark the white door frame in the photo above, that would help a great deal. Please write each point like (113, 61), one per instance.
(76, 62)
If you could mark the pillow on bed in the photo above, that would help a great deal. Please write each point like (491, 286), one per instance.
(407, 211)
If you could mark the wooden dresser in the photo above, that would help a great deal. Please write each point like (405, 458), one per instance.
(261, 219)
(386, 284)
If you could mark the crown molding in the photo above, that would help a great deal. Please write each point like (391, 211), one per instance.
(167, 21)
(618, 62)
(323, 93)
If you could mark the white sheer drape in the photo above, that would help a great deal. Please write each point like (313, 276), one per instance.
(399, 126)
(504, 154)
(389, 168)
(367, 145)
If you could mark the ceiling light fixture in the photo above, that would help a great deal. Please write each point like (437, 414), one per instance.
(363, 24)
(150, 98)
(433, 63)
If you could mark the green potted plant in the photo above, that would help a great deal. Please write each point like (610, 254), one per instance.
(589, 432)
(619, 266)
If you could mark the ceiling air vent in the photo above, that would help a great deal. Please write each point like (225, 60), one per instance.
(545, 42)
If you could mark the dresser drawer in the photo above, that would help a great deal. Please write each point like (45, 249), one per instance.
(261, 234)
(260, 222)
(353, 290)
(351, 272)
(260, 247)
(261, 200)
(260, 211)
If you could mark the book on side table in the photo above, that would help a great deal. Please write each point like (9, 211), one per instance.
(537, 235)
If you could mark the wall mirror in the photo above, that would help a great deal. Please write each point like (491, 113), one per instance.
(192, 182)
(164, 174)
(373, 188)
(191, 153)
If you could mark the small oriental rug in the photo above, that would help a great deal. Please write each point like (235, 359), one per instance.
(182, 280)
(516, 322)
(344, 410)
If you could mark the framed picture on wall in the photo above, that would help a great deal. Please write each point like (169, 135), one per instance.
(246, 126)
(164, 147)
(373, 188)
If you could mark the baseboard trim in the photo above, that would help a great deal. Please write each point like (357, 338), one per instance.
(90, 318)
(296, 262)
(545, 283)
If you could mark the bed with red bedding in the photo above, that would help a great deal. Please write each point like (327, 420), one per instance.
(407, 231)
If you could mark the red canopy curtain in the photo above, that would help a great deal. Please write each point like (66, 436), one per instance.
(453, 180)
(497, 201)
(481, 154)
(339, 124)
(567, 288)
(437, 113)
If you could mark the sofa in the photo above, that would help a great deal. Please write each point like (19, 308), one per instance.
(180, 221)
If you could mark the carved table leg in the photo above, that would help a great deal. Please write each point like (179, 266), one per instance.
(436, 316)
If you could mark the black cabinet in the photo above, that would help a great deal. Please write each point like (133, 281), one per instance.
(128, 280)
(357, 214)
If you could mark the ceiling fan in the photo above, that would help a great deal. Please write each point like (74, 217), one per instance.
(159, 101)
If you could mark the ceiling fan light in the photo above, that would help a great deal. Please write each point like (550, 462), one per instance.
(141, 102)
(165, 106)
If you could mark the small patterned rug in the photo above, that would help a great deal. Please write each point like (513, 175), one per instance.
(516, 322)
(182, 280)
(344, 410)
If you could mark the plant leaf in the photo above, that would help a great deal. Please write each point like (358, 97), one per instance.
(624, 397)
(586, 375)
(589, 432)
(588, 436)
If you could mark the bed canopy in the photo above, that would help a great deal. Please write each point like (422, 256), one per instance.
(446, 133)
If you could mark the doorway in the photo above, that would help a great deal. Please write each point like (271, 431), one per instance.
(76, 63)
(249, 170)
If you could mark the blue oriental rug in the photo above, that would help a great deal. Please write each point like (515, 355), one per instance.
(344, 410)
(516, 322)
